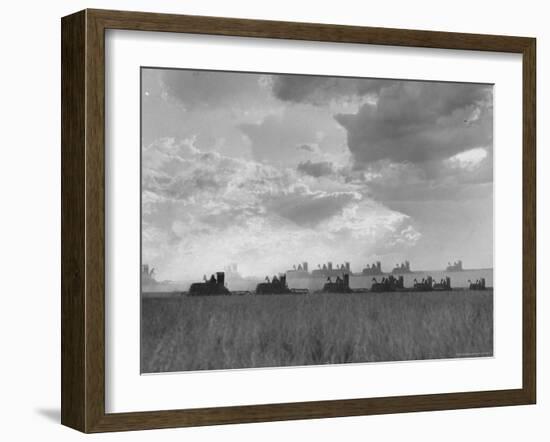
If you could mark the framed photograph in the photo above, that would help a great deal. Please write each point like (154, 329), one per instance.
(267, 220)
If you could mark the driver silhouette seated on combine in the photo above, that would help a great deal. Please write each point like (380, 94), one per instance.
(426, 284)
(443, 284)
(277, 285)
(340, 284)
(478, 285)
(387, 284)
(213, 286)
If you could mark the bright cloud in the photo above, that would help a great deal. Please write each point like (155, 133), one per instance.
(469, 159)
(222, 209)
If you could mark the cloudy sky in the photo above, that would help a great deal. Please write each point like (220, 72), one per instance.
(270, 170)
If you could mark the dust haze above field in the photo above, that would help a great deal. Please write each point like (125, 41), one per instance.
(270, 170)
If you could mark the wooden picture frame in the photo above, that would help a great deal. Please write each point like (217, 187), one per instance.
(83, 220)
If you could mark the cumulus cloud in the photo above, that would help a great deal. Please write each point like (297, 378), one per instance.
(318, 169)
(268, 169)
(224, 209)
(412, 139)
(205, 89)
(320, 90)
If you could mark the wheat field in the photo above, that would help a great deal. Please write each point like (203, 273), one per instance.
(180, 333)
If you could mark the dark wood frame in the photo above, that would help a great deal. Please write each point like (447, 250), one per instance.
(83, 217)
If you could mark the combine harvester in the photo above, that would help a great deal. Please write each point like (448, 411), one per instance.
(393, 284)
(340, 285)
(478, 285)
(389, 284)
(214, 286)
(428, 285)
(278, 286)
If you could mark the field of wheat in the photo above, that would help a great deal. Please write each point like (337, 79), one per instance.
(228, 332)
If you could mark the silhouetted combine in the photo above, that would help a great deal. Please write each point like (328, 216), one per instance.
(214, 286)
(276, 286)
(478, 285)
(404, 267)
(375, 269)
(389, 284)
(340, 285)
(443, 284)
(428, 284)
(455, 266)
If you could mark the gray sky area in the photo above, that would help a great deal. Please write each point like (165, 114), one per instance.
(270, 170)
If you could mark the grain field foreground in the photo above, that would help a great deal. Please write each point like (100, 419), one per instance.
(225, 332)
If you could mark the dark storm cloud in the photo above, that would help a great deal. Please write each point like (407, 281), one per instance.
(295, 87)
(316, 170)
(420, 121)
(408, 137)
(306, 208)
(319, 90)
(401, 182)
(463, 176)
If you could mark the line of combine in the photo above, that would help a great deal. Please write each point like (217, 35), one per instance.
(215, 286)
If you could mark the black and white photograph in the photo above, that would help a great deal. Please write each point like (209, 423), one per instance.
(302, 220)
